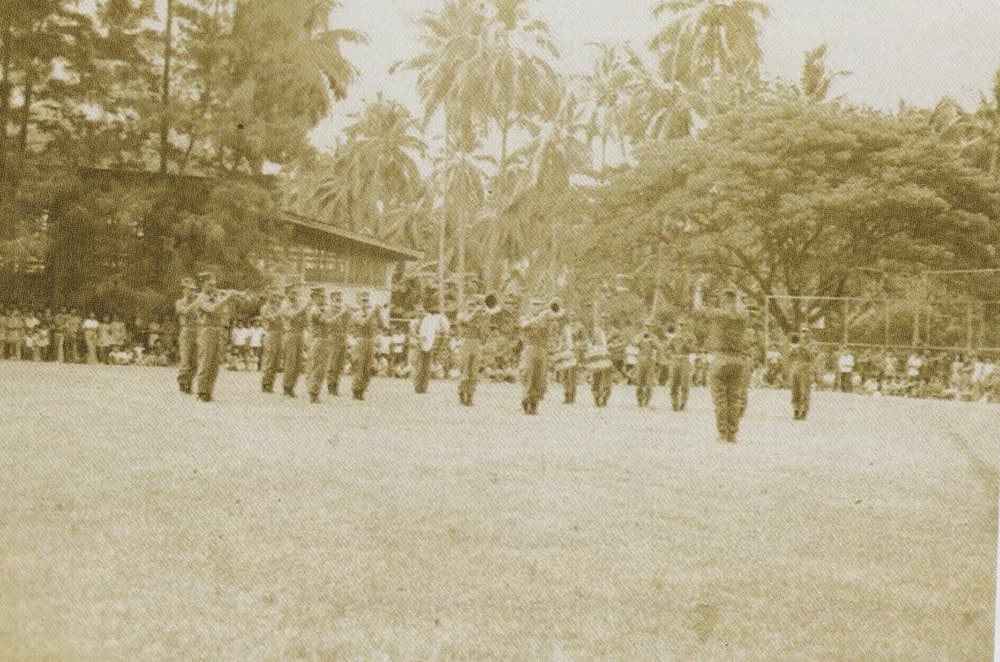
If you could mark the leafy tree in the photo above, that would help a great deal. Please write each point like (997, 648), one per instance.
(817, 79)
(788, 197)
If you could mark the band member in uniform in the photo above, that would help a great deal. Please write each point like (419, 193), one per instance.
(270, 316)
(337, 328)
(679, 345)
(211, 306)
(474, 324)
(565, 361)
(728, 374)
(187, 336)
(432, 327)
(366, 322)
(645, 373)
(534, 357)
(320, 318)
(801, 357)
(599, 362)
(293, 317)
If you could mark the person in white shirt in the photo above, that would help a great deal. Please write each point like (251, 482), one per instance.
(397, 347)
(845, 368)
(90, 326)
(256, 342)
(429, 327)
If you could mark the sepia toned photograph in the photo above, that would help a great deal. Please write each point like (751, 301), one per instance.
(555, 330)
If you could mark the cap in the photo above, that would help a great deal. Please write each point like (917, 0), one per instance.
(336, 295)
(804, 328)
(317, 290)
(729, 290)
(189, 284)
(205, 275)
(537, 302)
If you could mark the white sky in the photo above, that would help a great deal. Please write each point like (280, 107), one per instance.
(916, 50)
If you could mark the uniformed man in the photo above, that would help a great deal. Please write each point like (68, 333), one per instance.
(337, 338)
(566, 361)
(728, 375)
(15, 334)
(645, 372)
(319, 318)
(680, 344)
(599, 362)
(270, 316)
(366, 323)
(187, 321)
(293, 319)
(3, 333)
(801, 359)
(536, 326)
(474, 327)
(211, 306)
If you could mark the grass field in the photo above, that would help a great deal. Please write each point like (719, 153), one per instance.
(137, 523)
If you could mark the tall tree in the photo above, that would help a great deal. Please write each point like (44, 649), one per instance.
(374, 173)
(781, 195)
(709, 38)
(817, 78)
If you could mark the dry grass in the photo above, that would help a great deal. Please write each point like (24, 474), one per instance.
(136, 523)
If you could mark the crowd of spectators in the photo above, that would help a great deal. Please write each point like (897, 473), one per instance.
(918, 373)
(71, 337)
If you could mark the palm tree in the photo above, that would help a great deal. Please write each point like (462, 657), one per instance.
(710, 38)
(657, 109)
(607, 89)
(374, 172)
(517, 51)
(817, 79)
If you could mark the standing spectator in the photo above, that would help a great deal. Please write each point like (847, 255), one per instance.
(915, 366)
(382, 352)
(431, 328)
(397, 348)
(91, 327)
(59, 342)
(3, 333)
(43, 339)
(256, 342)
(104, 340)
(31, 323)
(15, 334)
(153, 337)
(119, 334)
(73, 321)
(845, 369)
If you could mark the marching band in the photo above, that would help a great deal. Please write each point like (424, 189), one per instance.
(550, 337)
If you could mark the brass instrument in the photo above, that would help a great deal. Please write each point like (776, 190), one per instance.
(492, 303)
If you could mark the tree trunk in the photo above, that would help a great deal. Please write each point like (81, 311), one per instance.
(165, 91)
(5, 57)
(22, 143)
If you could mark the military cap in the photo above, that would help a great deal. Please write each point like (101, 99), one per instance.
(336, 295)
(729, 290)
(364, 296)
(189, 284)
(205, 275)
(317, 290)
(804, 328)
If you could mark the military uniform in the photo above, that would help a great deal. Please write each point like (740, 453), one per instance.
(679, 347)
(534, 361)
(366, 325)
(211, 341)
(187, 337)
(293, 316)
(15, 335)
(270, 315)
(319, 317)
(566, 365)
(72, 353)
(337, 339)
(728, 375)
(600, 366)
(645, 372)
(801, 359)
(474, 329)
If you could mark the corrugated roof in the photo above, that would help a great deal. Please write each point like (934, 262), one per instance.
(399, 252)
